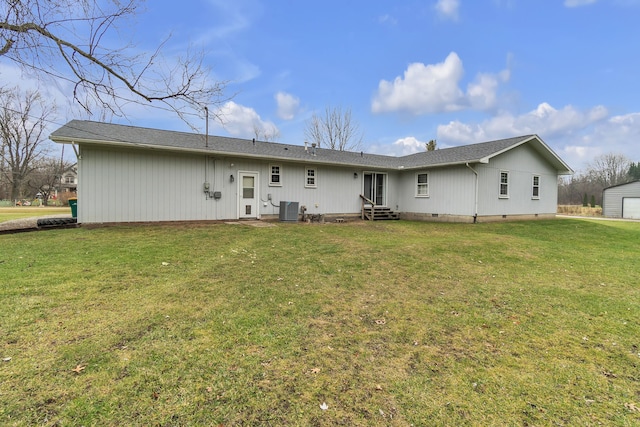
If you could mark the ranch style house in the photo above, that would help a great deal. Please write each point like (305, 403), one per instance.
(135, 174)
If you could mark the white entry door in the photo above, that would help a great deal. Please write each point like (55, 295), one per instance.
(248, 195)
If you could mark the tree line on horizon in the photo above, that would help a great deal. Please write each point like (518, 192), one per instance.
(585, 188)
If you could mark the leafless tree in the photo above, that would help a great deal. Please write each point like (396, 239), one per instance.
(69, 40)
(266, 133)
(45, 178)
(23, 120)
(609, 169)
(571, 190)
(604, 171)
(335, 130)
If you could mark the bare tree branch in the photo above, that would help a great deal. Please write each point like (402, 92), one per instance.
(67, 39)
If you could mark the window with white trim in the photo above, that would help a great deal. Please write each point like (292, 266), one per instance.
(310, 178)
(422, 185)
(504, 184)
(535, 187)
(275, 176)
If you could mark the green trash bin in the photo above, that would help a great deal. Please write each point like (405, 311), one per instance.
(73, 203)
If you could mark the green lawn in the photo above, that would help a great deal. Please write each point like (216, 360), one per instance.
(387, 323)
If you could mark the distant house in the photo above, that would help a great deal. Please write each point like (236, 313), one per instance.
(69, 179)
(133, 174)
(622, 201)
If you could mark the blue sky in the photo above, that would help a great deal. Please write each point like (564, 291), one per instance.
(458, 71)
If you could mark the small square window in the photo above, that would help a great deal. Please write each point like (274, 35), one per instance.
(310, 178)
(275, 176)
(422, 185)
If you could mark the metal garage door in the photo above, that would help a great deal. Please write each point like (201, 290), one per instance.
(631, 207)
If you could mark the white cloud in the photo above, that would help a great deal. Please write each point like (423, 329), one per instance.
(576, 135)
(448, 9)
(243, 122)
(579, 155)
(544, 120)
(424, 89)
(408, 145)
(482, 93)
(578, 3)
(435, 88)
(618, 134)
(401, 147)
(288, 105)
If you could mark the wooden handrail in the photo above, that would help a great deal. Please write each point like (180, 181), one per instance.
(364, 199)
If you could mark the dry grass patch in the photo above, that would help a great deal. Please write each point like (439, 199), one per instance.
(580, 210)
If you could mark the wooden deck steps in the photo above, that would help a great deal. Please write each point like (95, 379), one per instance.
(378, 213)
(372, 212)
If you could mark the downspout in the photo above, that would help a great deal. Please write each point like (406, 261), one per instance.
(475, 209)
(208, 188)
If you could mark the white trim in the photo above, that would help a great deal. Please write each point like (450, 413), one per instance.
(256, 197)
(271, 183)
(306, 177)
(373, 183)
(417, 185)
(500, 184)
(534, 186)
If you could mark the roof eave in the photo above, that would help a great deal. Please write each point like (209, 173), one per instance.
(561, 167)
(70, 140)
(211, 152)
(440, 165)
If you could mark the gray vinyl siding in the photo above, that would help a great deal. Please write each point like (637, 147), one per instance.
(451, 192)
(452, 189)
(612, 198)
(142, 186)
(336, 190)
(132, 186)
(522, 163)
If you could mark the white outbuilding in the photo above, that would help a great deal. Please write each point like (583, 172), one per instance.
(622, 201)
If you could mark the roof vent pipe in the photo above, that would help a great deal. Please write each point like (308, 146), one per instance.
(305, 145)
(254, 141)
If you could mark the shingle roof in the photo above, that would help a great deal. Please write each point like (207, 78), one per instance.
(89, 132)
